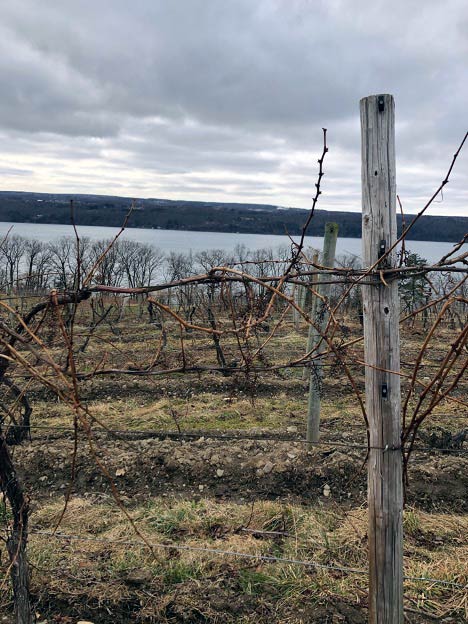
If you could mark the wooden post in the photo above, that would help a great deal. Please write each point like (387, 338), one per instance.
(382, 357)
(309, 307)
(303, 297)
(296, 294)
(320, 317)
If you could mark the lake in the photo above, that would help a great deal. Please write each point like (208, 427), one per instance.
(185, 241)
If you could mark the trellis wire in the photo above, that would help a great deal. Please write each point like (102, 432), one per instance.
(194, 435)
(234, 553)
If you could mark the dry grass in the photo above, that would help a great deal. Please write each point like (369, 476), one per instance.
(85, 571)
(104, 576)
(200, 411)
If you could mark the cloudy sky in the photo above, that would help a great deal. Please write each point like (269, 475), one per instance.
(225, 99)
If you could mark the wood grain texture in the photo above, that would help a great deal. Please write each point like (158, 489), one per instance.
(382, 354)
(320, 316)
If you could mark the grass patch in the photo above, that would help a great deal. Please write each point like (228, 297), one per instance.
(329, 537)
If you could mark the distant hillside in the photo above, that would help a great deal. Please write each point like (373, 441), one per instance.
(108, 210)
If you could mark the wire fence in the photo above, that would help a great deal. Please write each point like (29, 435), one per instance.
(213, 435)
(232, 553)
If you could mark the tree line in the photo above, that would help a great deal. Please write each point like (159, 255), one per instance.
(32, 267)
(29, 266)
(102, 210)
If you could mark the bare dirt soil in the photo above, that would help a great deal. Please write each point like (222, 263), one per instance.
(226, 471)
(233, 469)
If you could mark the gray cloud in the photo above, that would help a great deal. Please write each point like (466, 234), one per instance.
(225, 100)
(11, 171)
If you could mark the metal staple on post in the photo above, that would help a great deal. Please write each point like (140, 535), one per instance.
(382, 357)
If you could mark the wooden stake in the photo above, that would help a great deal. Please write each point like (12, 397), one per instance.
(309, 308)
(382, 353)
(320, 316)
(296, 294)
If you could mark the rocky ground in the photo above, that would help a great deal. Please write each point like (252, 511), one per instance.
(234, 469)
(220, 486)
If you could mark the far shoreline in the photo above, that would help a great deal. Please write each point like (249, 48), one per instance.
(193, 241)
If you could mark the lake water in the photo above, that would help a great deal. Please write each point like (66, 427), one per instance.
(185, 241)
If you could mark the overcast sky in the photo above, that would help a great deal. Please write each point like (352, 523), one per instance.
(225, 99)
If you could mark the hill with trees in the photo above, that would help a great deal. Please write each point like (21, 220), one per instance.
(108, 210)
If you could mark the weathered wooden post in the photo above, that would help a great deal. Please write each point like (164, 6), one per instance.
(382, 357)
(296, 294)
(320, 317)
(309, 298)
(309, 308)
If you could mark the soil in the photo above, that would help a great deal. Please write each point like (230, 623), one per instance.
(223, 603)
(227, 470)
(239, 470)
(231, 469)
